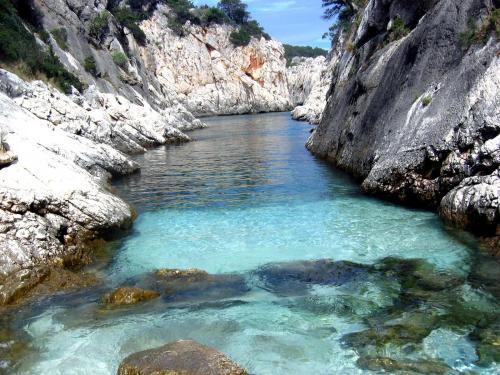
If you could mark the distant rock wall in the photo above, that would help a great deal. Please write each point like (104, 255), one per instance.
(415, 114)
(203, 70)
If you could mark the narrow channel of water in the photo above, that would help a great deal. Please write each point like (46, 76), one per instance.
(244, 199)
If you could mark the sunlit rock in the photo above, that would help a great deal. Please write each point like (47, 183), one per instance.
(183, 357)
(129, 296)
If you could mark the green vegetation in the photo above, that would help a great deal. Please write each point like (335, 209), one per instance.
(99, 25)
(237, 13)
(128, 18)
(240, 37)
(61, 37)
(398, 29)
(90, 65)
(20, 51)
(344, 12)
(426, 100)
(120, 59)
(475, 34)
(180, 15)
(302, 51)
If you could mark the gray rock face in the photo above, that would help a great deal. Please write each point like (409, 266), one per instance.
(183, 357)
(414, 117)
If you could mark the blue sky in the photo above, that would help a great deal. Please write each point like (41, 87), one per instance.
(290, 21)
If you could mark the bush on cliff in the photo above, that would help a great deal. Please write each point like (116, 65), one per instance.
(120, 59)
(129, 18)
(20, 50)
(240, 37)
(90, 65)
(343, 11)
(480, 34)
(236, 12)
(61, 37)
(98, 26)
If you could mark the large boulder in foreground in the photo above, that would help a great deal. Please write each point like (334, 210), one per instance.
(183, 357)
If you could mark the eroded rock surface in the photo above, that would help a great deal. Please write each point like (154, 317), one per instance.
(54, 198)
(183, 357)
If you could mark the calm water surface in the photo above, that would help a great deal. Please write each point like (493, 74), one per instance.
(245, 194)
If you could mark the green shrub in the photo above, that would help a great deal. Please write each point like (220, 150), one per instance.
(61, 37)
(99, 25)
(210, 15)
(474, 34)
(120, 59)
(235, 10)
(240, 37)
(128, 18)
(302, 51)
(90, 65)
(398, 29)
(426, 100)
(18, 47)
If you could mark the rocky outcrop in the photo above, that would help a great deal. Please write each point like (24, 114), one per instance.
(54, 198)
(103, 118)
(304, 74)
(201, 71)
(308, 81)
(414, 113)
(183, 357)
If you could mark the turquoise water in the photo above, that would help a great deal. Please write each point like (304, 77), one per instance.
(245, 194)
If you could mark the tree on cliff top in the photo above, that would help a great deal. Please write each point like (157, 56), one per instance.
(337, 7)
(235, 10)
(343, 12)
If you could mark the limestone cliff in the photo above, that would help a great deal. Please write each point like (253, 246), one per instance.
(201, 70)
(414, 107)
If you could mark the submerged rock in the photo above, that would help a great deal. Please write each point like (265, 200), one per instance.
(487, 344)
(187, 275)
(129, 296)
(12, 349)
(389, 364)
(297, 276)
(418, 273)
(193, 285)
(183, 357)
(486, 274)
(42, 280)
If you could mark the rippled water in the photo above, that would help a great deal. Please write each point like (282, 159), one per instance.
(246, 194)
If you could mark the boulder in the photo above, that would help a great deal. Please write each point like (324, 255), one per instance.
(388, 364)
(7, 158)
(129, 296)
(291, 278)
(183, 357)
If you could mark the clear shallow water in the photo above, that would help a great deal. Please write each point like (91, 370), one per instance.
(245, 194)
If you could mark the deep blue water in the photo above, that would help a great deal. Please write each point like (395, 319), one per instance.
(244, 194)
